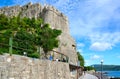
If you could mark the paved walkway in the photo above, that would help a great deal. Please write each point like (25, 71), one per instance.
(88, 76)
(103, 76)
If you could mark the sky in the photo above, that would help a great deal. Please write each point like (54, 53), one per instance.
(94, 24)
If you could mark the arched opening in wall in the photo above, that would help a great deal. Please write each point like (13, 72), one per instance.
(74, 47)
(12, 10)
(27, 7)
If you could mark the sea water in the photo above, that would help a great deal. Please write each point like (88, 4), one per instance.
(115, 74)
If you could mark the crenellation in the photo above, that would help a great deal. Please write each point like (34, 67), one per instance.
(27, 5)
(51, 8)
(31, 10)
(10, 11)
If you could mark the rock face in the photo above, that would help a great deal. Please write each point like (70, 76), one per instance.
(52, 16)
(21, 67)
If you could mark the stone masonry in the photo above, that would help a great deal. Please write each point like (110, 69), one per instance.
(52, 16)
(21, 67)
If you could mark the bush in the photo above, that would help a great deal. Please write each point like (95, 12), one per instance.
(34, 55)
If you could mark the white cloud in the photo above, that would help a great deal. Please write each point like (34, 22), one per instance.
(90, 19)
(80, 50)
(95, 13)
(21, 2)
(102, 42)
(80, 45)
(105, 37)
(98, 21)
(94, 57)
(118, 56)
(100, 46)
(87, 62)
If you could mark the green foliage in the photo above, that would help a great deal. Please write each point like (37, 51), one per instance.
(81, 59)
(3, 50)
(89, 68)
(24, 40)
(47, 38)
(4, 22)
(34, 55)
(28, 34)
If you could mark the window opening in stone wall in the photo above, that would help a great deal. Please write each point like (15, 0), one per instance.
(74, 47)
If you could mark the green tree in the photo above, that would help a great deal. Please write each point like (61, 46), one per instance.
(89, 68)
(4, 23)
(24, 40)
(28, 34)
(47, 38)
(81, 59)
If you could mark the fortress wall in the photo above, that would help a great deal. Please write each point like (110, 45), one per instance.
(21, 67)
(52, 16)
(56, 19)
(10, 11)
(31, 10)
(59, 21)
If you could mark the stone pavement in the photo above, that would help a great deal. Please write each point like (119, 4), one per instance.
(88, 76)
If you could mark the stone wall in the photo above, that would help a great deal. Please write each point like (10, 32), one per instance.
(21, 67)
(52, 16)
(59, 21)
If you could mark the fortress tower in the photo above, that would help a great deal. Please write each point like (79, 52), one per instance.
(52, 16)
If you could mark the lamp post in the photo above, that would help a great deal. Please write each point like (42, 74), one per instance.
(25, 53)
(101, 68)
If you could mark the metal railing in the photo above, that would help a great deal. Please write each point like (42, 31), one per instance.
(9, 45)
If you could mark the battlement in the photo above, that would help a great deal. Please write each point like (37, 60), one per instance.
(15, 10)
(30, 5)
(53, 9)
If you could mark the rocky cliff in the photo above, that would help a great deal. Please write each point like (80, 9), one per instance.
(52, 16)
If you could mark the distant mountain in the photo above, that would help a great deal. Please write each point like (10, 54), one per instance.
(107, 67)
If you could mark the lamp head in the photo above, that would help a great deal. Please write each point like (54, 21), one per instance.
(102, 61)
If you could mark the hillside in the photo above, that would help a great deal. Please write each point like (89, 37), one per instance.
(107, 67)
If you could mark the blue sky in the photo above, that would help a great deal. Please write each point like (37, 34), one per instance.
(94, 24)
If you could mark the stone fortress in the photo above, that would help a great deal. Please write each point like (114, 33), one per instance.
(45, 69)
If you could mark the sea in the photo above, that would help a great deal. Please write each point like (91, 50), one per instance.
(113, 74)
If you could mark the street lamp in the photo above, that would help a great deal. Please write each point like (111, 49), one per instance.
(25, 53)
(101, 68)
